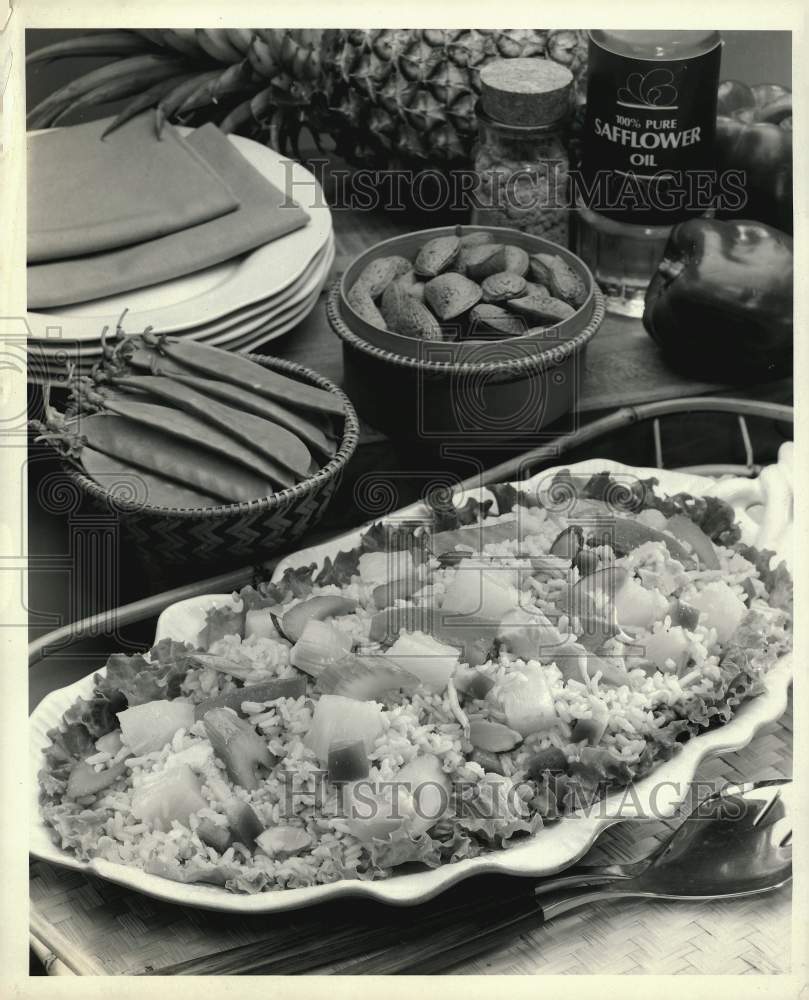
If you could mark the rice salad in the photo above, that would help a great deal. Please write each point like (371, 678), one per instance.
(443, 689)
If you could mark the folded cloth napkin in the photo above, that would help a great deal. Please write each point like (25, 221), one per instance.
(87, 194)
(265, 213)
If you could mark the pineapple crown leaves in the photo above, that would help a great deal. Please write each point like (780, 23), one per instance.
(382, 94)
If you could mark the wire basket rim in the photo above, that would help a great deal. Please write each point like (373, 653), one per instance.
(349, 439)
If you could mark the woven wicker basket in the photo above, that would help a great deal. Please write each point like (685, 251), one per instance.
(171, 537)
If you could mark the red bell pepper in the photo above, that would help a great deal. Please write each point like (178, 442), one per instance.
(720, 303)
(754, 134)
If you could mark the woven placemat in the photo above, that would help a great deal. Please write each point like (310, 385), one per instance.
(107, 930)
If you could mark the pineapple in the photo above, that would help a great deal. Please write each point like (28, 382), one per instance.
(387, 97)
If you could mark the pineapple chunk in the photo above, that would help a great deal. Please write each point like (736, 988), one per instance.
(319, 645)
(721, 607)
(283, 841)
(527, 700)
(526, 633)
(484, 592)
(259, 622)
(337, 718)
(637, 606)
(151, 726)
(431, 661)
(173, 795)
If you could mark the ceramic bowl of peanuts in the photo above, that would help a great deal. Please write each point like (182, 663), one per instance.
(466, 285)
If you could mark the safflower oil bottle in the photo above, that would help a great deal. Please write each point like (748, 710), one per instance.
(647, 152)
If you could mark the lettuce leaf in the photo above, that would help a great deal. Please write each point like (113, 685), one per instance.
(296, 582)
(255, 600)
(140, 680)
(97, 715)
(506, 496)
(499, 831)
(195, 870)
(400, 849)
(75, 830)
(715, 516)
(446, 516)
(220, 621)
(339, 570)
(777, 582)
(631, 496)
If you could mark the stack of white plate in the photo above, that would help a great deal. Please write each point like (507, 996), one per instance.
(238, 305)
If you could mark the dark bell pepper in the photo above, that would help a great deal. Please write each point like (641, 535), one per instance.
(754, 134)
(720, 302)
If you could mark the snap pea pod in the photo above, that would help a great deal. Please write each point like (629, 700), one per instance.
(147, 486)
(238, 370)
(274, 442)
(174, 423)
(313, 428)
(312, 435)
(189, 465)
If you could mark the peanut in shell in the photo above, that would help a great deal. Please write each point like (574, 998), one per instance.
(475, 239)
(541, 310)
(378, 274)
(505, 258)
(503, 285)
(488, 316)
(449, 295)
(534, 288)
(436, 256)
(412, 284)
(364, 306)
(559, 276)
(405, 314)
(476, 260)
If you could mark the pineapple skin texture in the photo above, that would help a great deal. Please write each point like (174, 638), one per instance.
(412, 93)
(388, 98)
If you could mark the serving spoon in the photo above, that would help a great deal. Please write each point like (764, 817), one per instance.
(736, 843)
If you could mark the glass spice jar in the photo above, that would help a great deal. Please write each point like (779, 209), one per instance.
(521, 159)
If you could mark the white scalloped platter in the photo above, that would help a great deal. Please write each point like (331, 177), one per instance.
(764, 511)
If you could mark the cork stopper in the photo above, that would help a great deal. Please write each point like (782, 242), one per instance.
(525, 92)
